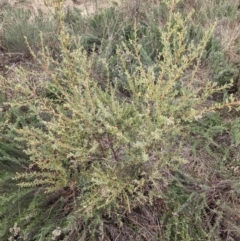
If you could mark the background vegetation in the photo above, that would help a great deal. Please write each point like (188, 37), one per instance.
(122, 124)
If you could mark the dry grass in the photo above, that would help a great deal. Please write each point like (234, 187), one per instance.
(88, 7)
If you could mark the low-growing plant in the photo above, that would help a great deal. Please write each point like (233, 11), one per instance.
(109, 28)
(21, 24)
(208, 11)
(12, 160)
(222, 71)
(184, 220)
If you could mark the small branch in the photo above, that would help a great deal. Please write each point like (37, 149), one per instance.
(112, 149)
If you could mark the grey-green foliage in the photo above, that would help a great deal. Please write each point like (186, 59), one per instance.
(21, 23)
(222, 71)
(222, 9)
(206, 133)
(216, 9)
(102, 154)
(183, 221)
(108, 28)
(235, 132)
(112, 150)
(199, 211)
(218, 139)
(12, 197)
(26, 208)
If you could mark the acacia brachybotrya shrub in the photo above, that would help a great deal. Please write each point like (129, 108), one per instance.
(115, 152)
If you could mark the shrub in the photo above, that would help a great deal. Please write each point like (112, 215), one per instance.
(112, 152)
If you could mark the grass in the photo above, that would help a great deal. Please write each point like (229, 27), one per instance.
(198, 200)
